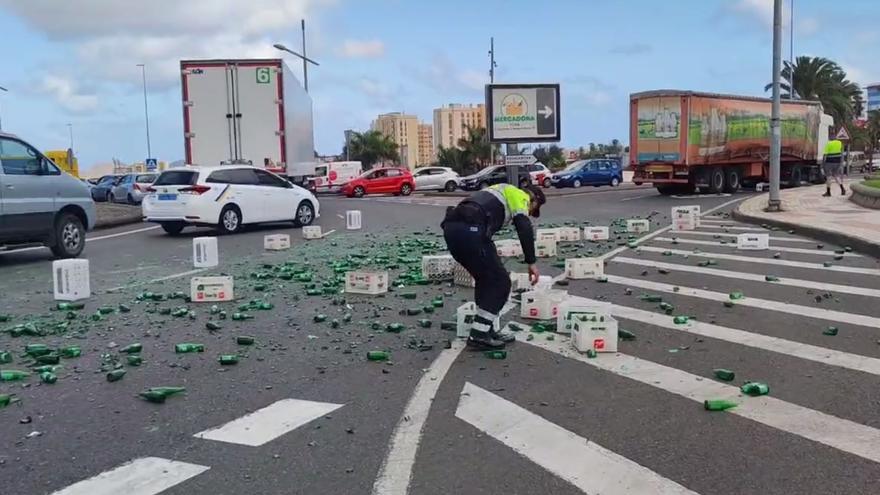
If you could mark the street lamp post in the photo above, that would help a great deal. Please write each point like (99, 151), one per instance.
(775, 203)
(146, 109)
(306, 60)
(70, 130)
(1, 120)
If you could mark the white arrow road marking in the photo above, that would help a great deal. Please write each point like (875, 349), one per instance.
(546, 112)
(583, 463)
(697, 242)
(269, 423)
(144, 476)
(842, 434)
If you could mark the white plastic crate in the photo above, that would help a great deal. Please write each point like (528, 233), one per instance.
(353, 219)
(580, 268)
(464, 318)
(547, 235)
(685, 217)
(545, 248)
(438, 266)
(596, 233)
(366, 282)
(568, 234)
(575, 307)
(753, 242)
(462, 277)
(312, 232)
(211, 289)
(638, 225)
(542, 304)
(521, 281)
(205, 253)
(276, 242)
(595, 331)
(70, 279)
(508, 247)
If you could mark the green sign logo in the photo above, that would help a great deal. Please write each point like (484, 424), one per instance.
(264, 75)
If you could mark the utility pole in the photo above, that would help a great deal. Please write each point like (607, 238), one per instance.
(791, 52)
(492, 66)
(146, 110)
(305, 63)
(775, 204)
(70, 129)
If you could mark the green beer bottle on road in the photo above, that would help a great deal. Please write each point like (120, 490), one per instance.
(124, 309)
(227, 359)
(378, 355)
(244, 340)
(680, 320)
(115, 375)
(591, 353)
(34, 350)
(755, 389)
(132, 348)
(724, 374)
(105, 310)
(394, 327)
(13, 375)
(159, 394)
(71, 352)
(48, 377)
(425, 323)
(241, 316)
(319, 318)
(134, 360)
(212, 326)
(718, 404)
(70, 306)
(45, 368)
(6, 399)
(5, 357)
(625, 335)
(495, 354)
(52, 358)
(188, 347)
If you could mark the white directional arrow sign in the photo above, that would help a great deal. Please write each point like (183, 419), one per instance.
(546, 112)
(523, 113)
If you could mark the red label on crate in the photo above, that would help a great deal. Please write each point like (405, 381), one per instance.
(598, 344)
(200, 295)
(555, 310)
(533, 312)
(221, 295)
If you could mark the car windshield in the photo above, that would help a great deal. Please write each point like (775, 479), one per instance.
(575, 166)
(321, 171)
(177, 178)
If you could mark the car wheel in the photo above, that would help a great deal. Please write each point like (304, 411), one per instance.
(70, 236)
(305, 214)
(576, 184)
(450, 186)
(230, 220)
(406, 190)
(111, 198)
(483, 185)
(172, 228)
(358, 192)
(615, 182)
(546, 183)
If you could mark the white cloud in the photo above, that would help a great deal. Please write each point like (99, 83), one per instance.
(68, 94)
(473, 79)
(806, 27)
(759, 10)
(362, 49)
(445, 77)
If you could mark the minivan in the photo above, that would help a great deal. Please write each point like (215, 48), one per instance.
(40, 204)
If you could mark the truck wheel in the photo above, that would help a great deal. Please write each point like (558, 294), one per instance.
(69, 236)
(667, 189)
(716, 180)
(172, 228)
(732, 184)
(795, 177)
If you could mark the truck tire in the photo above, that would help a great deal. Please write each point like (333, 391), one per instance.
(69, 237)
(716, 180)
(795, 177)
(667, 189)
(733, 181)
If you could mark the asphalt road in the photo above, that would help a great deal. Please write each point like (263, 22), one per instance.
(545, 420)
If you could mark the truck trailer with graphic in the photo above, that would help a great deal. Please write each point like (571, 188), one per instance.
(681, 140)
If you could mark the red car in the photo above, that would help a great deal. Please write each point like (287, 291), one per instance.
(381, 181)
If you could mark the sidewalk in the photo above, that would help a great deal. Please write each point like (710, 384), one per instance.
(835, 220)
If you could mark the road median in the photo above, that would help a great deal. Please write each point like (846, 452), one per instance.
(115, 215)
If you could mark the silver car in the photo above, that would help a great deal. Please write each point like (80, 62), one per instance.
(40, 204)
(435, 178)
(131, 188)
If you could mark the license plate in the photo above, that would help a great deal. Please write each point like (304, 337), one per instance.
(167, 197)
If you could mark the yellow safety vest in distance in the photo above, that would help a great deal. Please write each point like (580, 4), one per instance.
(834, 147)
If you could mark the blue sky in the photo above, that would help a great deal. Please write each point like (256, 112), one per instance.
(75, 61)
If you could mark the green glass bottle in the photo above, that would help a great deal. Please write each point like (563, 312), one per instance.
(134, 360)
(5, 357)
(771, 278)
(265, 306)
(495, 354)
(378, 355)
(124, 309)
(13, 375)
(51, 358)
(71, 352)
(180, 312)
(425, 323)
(212, 326)
(45, 368)
(625, 335)
(70, 306)
(718, 404)
(188, 347)
(6, 399)
(222, 315)
(413, 311)
(135, 348)
(591, 353)
(437, 302)
(159, 394)
(228, 359)
(830, 331)
(651, 298)
(34, 350)
(409, 295)
(319, 318)
(215, 309)
(5, 318)
(244, 340)
(724, 374)
(395, 327)
(428, 309)
(105, 310)
(735, 296)
(241, 316)
(115, 375)
(346, 317)
(680, 320)
(313, 292)
(375, 325)
(755, 389)
(48, 377)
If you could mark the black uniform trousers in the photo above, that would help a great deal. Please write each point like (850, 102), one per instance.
(473, 249)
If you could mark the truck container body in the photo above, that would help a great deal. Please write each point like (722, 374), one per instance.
(65, 160)
(680, 140)
(245, 112)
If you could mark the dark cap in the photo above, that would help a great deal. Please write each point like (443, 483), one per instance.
(538, 196)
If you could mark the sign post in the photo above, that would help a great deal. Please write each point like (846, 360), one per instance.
(151, 164)
(522, 113)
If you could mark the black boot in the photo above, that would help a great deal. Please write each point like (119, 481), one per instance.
(505, 337)
(484, 341)
(842, 190)
(827, 192)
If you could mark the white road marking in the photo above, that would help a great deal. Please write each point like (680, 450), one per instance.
(847, 436)
(754, 277)
(160, 279)
(120, 234)
(752, 302)
(747, 229)
(820, 252)
(639, 197)
(764, 261)
(808, 352)
(721, 234)
(339, 215)
(585, 464)
(396, 470)
(144, 476)
(267, 424)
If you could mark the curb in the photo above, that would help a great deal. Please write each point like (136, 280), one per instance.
(108, 224)
(583, 190)
(865, 196)
(832, 237)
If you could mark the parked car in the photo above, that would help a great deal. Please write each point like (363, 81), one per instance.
(435, 178)
(226, 197)
(101, 191)
(131, 188)
(540, 174)
(39, 203)
(390, 180)
(594, 172)
(489, 176)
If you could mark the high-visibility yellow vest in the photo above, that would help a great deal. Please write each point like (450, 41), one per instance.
(834, 147)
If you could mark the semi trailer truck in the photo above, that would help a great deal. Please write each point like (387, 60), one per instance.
(682, 140)
(251, 111)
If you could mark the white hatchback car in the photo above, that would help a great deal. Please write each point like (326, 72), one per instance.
(435, 178)
(226, 197)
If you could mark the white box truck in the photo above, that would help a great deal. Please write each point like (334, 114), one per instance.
(247, 112)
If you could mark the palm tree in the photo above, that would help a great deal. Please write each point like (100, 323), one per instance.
(818, 78)
(475, 146)
(455, 159)
(372, 147)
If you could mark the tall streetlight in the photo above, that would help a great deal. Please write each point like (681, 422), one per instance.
(146, 110)
(1, 120)
(775, 203)
(306, 60)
